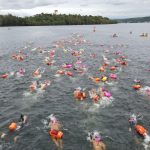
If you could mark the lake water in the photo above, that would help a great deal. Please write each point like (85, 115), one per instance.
(77, 117)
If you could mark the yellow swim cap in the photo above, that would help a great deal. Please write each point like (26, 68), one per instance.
(65, 50)
(104, 79)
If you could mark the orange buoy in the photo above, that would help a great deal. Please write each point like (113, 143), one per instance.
(136, 86)
(60, 135)
(12, 126)
(56, 134)
(140, 129)
(69, 73)
(4, 76)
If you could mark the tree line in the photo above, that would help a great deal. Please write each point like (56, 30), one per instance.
(52, 19)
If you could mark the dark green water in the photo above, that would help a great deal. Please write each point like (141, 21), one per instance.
(78, 118)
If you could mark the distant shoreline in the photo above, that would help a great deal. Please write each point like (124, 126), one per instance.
(53, 20)
(134, 20)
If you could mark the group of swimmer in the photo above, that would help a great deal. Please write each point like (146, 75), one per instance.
(19, 57)
(108, 74)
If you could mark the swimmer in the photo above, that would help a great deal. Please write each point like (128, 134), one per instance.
(96, 140)
(134, 118)
(48, 61)
(20, 57)
(132, 121)
(36, 72)
(66, 65)
(5, 137)
(80, 70)
(33, 87)
(115, 35)
(101, 92)
(55, 131)
(93, 94)
(79, 94)
(44, 85)
(20, 73)
(60, 72)
(95, 79)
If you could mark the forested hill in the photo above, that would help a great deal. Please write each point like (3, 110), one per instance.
(134, 20)
(51, 19)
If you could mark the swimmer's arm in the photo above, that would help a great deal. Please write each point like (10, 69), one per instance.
(103, 146)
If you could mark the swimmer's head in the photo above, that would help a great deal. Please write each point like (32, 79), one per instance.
(53, 118)
(97, 136)
(133, 119)
(98, 139)
(136, 81)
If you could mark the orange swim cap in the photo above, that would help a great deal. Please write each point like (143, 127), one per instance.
(12, 126)
(140, 129)
(101, 69)
(136, 87)
(97, 79)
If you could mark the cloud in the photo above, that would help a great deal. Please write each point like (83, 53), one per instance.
(26, 4)
(107, 8)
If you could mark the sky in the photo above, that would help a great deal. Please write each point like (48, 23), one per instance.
(107, 8)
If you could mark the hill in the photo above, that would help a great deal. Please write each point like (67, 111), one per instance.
(52, 19)
(134, 20)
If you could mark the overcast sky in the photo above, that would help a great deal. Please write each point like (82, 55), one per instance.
(107, 8)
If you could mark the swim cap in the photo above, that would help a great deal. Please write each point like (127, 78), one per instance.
(96, 136)
(53, 118)
(104, 78)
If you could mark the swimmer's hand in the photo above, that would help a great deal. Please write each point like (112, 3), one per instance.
(18, 127)
(3, 135)
(89, 137)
